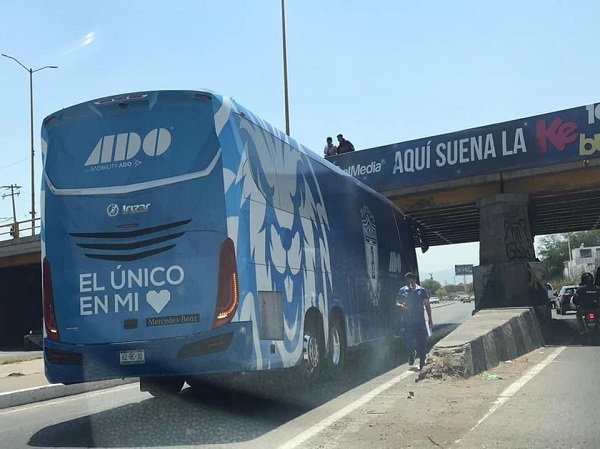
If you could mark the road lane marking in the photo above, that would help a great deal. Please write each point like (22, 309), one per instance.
(333, 418)
(517, 385)
(90, 394)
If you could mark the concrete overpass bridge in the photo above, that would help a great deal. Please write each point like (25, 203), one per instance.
(500, 185)
(20, 281)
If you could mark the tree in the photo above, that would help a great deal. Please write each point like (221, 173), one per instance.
(431, 285)
(441, 293)
(554, 249)
(451, 288)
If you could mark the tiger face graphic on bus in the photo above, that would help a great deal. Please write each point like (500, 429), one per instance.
(286, 232)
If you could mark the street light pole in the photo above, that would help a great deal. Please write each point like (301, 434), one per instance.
(570, 256)
(32, 153)
(285, 78)
(31, 72)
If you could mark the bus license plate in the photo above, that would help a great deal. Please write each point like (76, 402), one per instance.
(135, 357)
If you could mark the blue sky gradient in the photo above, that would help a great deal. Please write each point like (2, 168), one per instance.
(380, 72)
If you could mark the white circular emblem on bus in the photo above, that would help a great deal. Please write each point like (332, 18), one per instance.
(112, 210)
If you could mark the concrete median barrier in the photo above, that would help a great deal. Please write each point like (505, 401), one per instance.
(54, 391)
(486, 339)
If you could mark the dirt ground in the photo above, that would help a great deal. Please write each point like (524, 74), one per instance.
(425, 414)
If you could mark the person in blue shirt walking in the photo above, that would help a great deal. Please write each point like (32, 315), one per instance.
(412, 299)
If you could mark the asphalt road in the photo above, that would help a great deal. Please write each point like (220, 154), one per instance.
(447, 317)
(556, 409)
(125, 417)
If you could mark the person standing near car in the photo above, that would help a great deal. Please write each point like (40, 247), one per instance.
(414, 300)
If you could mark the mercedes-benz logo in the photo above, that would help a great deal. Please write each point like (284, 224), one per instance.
(112, 210)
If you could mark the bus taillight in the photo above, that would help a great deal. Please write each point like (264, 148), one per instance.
(203, 96)
(228, 289)
(48, 302)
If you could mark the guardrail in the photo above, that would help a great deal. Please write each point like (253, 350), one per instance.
(19, 229)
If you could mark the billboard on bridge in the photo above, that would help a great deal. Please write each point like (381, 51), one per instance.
(554, 138)
(463, 270)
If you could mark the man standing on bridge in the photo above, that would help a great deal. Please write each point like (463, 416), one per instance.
(344, 146)
(330, 149)
(412, 299)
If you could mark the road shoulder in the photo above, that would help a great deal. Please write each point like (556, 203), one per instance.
(426, 413)
(24, 382)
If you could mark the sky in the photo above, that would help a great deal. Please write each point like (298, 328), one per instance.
(380, 72)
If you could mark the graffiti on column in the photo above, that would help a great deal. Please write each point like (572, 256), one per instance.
(489, 291)
(517, 239)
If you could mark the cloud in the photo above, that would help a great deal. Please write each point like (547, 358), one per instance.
(84, 41)
(88, 39)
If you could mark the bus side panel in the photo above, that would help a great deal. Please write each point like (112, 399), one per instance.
(277, 216)
(308, 233)
(350, 258)
(344, 227)
(238, 220)
(370, 240)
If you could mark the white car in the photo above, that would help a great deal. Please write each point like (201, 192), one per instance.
(552, 294)
(434, 300)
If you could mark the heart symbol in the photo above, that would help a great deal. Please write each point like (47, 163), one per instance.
(158, 300)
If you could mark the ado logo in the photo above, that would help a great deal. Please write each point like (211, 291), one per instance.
(123, 147)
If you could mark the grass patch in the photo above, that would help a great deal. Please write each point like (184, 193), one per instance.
(11, 361)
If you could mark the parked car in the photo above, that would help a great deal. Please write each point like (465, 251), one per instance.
(33, 341)
(434, 300)
(562, 302)
(552, 294)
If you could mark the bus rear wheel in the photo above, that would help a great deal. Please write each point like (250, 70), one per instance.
(161, 387)
(313, 351)
(337, 348)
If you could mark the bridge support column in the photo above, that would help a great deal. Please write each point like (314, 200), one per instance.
(504, 277)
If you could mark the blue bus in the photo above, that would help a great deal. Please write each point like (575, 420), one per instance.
(183, 236)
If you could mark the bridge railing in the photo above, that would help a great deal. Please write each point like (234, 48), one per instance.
(19, 229)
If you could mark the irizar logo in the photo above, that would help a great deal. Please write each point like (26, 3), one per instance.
(136, 209)
(361, 170)
(123, 147)
(113, 210)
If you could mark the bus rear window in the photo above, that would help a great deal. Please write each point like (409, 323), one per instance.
(91, 147)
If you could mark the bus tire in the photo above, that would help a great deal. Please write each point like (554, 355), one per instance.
(313, 351)
(161, 387)
(337, 347)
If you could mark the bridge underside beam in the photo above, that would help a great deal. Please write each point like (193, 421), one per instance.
(561, 199)
(20, 260)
